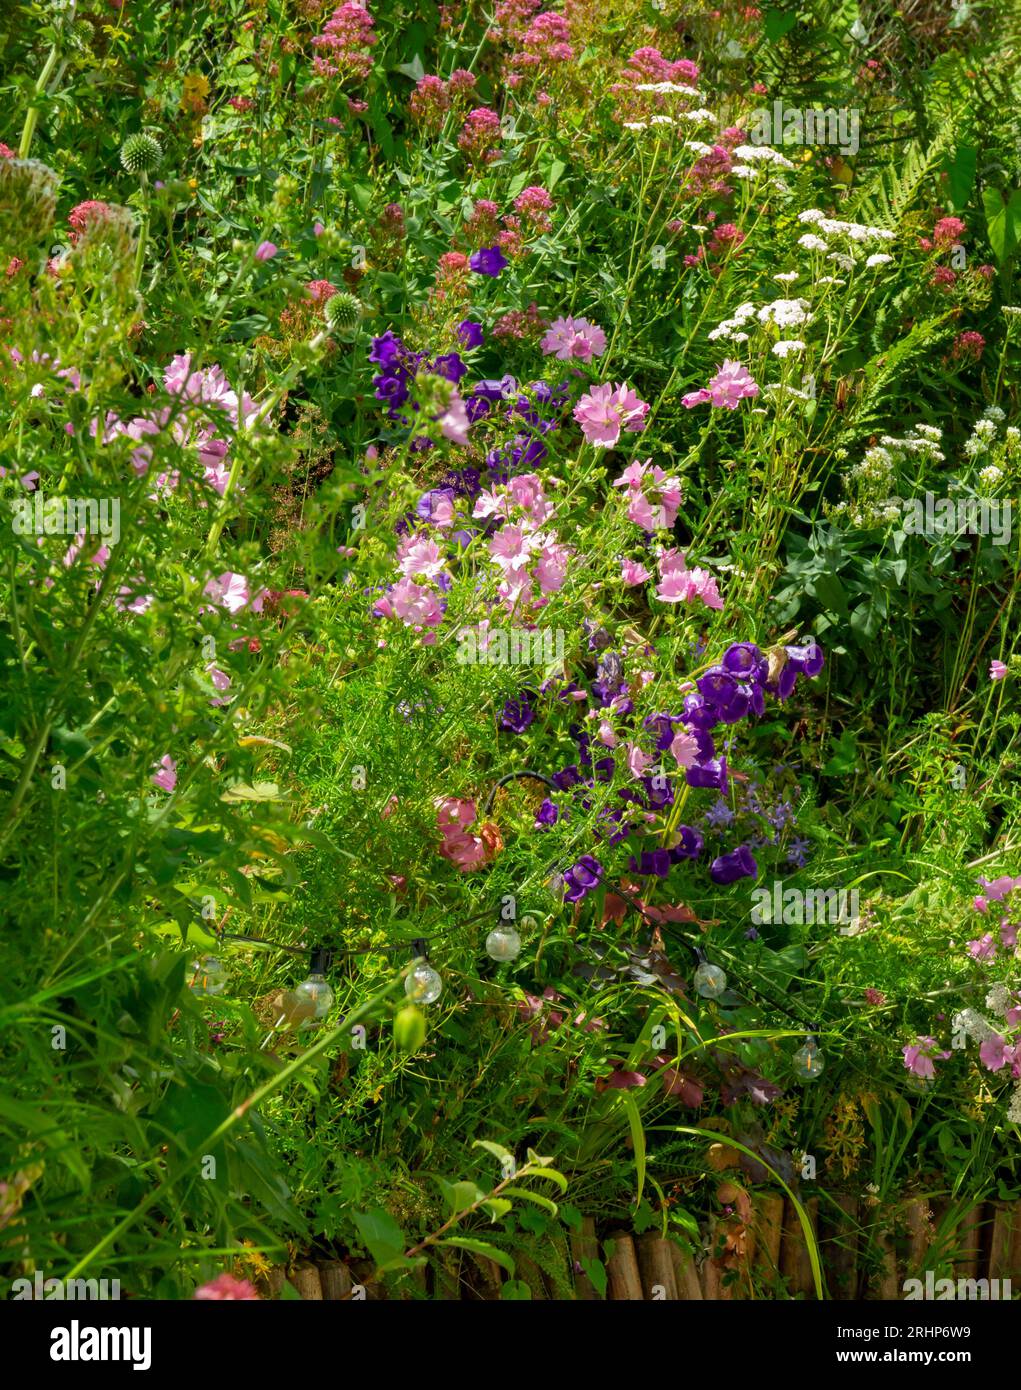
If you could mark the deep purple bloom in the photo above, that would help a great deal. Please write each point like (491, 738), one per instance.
(490, 260)
(745, 661)
(492, 390)
(581, 878)
(689, 846)
(547, 814)
(450, 367)
(728, 868)
(711, 774)
(386, 350)
(719, 689)
(653, 861)
(808, 659)
(470, 334)
(517, 715)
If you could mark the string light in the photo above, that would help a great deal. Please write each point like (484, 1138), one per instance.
(423, 984)
(313, 998)
(710, 980)
(503, 943)
(808, 1061)
(208, 975)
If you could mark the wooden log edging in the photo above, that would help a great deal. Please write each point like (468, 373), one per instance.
(866, 1252)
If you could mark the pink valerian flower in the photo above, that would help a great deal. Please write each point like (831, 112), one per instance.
(480, 136)
(947, 231)
(226, 1286)
(569, 338)
(920, 1055)
(731, 384)
(633, 572)
(875, 997)
(341, 45)
(534, 203)
(165, 774)
(319, 291)
(430, 102)
(968, 346)
(678, 584)
(607, 410)
(997, 670)
(482, 227)
(80, 218)
(520, 323)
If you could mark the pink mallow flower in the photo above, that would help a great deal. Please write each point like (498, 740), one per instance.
(633, 572)
(918, 1058)
(226, 1286)
(997, 670)
(606, 410)
(165, 774)
(731, 384)
(678, 584)
(265, 251)
(995, 1053)
(569, 338)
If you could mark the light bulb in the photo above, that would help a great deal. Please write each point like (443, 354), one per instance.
(710, 981)
(423, 985)
(208, 975)
(316, 992)
(808, 1061)
(503, 943)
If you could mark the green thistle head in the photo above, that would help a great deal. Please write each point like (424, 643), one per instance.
(141, 154)
(342, 312)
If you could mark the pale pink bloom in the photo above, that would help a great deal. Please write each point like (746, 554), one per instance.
(510, 546)
(980, 904)
(454, 811)
(220, 679)
(454, 421)
(229, 590)
(997, 671)
(984, 948)
(685, 749)
(640, 511)
(415, 605)
(633, 475)
(318, 229)
(607, 410)
(265, 251)
(225, 1286)
(606, 735)
(138, 602)
(526, 492)
(637, 761)
(98, 558)
(633, 572)
(420, 556)
(551, 569)
(489, 504)
(574, 338)
(442, 512)
(731, 384)
(995, 1052)
(165, 774)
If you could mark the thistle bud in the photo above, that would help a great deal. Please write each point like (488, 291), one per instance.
(342, 312)
(141, 154)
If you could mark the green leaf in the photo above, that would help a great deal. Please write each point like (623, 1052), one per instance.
(536, 1197)
(515, 1290)
(1003, 221)
(497, 1208)
(380, 1232)
(481, 1247)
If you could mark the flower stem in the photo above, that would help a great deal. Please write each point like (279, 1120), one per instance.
(32, 114)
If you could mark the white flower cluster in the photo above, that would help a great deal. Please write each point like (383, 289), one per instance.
(785, 313)
(854, 231)
(731, 328)
(762, 154)
(1000, 999)
(677, 87)
(811, 242)
(973, 1026)
(786, 346)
